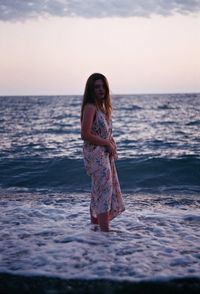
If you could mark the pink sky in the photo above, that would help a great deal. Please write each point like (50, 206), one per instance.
(55, 55)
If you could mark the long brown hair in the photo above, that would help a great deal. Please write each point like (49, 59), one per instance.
(89, 95)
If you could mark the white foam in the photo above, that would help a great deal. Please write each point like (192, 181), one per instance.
(53, 236)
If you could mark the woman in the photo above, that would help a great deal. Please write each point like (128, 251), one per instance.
(99, 152)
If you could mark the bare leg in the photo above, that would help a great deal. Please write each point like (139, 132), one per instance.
(93, 219)
(103, 219)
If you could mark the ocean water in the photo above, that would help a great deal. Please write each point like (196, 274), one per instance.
(45, 192)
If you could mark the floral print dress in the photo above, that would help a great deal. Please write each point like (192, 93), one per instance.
(106, 193)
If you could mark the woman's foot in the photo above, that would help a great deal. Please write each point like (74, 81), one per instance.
(94, 220)
(103, 219)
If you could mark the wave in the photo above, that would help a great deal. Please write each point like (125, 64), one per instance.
(158, 173)
(141, 173)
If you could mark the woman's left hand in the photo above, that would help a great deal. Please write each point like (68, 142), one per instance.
(115, 148)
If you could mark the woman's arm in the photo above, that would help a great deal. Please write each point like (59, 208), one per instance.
(86, 126)
(86, 129)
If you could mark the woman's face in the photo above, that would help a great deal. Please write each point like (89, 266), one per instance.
(99, 89)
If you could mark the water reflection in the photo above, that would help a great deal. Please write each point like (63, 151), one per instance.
(163, 125)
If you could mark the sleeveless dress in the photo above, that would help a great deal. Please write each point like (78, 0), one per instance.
(105, 192)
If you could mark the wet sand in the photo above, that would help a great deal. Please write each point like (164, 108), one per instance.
(10, 283)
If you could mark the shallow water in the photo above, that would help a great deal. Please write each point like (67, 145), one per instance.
(155, 238)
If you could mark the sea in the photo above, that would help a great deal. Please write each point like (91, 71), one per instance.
(45, 227)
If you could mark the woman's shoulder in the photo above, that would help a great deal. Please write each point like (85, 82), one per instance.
(90, 106)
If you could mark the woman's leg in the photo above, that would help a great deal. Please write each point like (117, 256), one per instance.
(93, 219)
(103, 219)
(101, 195)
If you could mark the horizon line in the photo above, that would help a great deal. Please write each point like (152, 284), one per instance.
(112, 94)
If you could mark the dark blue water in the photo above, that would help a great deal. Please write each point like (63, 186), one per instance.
(158, 139)
(44, 190)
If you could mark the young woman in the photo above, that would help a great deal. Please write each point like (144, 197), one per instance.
(99, 152)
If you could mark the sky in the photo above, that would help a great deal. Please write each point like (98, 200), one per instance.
(50, 47)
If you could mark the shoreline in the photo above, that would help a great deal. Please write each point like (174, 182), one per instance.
(12, 283)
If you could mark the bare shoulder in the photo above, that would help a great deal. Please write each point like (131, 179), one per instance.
(89, 112)
(90, 107)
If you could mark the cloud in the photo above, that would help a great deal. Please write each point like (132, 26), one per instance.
(19, 10)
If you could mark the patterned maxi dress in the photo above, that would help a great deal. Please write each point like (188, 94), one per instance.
(106, 193)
